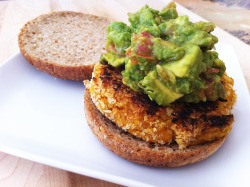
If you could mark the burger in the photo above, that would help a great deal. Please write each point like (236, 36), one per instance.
(160, 95)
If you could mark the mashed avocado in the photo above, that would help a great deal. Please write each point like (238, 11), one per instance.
(166, 56)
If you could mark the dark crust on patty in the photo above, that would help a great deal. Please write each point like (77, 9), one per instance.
(138, 98)
(183, 111)
(183, 116)
(139, 151)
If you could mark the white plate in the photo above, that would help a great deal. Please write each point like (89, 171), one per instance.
(42, 119)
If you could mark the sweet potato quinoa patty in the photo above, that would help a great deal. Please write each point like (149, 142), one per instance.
(183, 123)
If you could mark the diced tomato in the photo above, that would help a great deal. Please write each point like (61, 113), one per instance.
(128, 52)
(146, 34)
(145, 56)
(148, 37)
(111, 48)
(135, 62)
(149, 58)
(213, 70)
(143, 49)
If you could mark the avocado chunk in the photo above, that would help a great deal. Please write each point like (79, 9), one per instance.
(118, 38)
(181, 32)
(145, 20)
(169, 11)
(164, 50)
(188, 65)
(205, 26)
(157, 90)
(211, 60)
(165, 74)
(135, 73)
(113, 60)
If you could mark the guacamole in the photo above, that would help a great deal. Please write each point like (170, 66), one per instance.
(166, 56)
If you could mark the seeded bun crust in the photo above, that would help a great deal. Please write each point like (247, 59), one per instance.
(139, 151)
(64, 44)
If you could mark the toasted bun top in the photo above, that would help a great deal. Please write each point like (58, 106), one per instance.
(64, 39)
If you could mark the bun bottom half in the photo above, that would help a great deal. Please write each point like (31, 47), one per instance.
(136, 150)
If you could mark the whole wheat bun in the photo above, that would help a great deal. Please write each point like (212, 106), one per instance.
(64, 44)
(139, 151)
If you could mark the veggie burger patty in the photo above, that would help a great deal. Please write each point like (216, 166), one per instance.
(182, 123)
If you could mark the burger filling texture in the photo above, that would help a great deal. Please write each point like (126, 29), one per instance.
(166, 56)
(161, 81)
